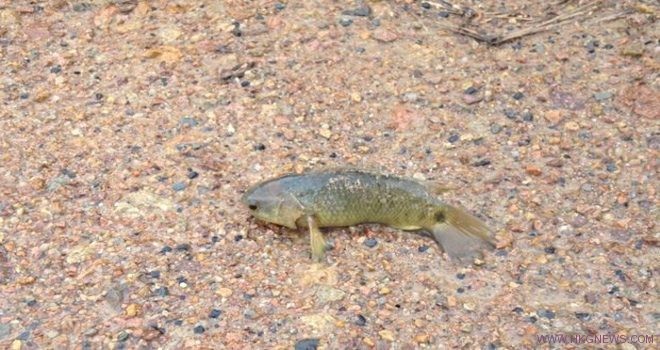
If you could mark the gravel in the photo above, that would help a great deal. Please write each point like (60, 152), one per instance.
(370, 242)
(179, 186)
(345, 21)
(130, 130)
(471, 90)
(307, 344)
(215, 313)
(360, 320)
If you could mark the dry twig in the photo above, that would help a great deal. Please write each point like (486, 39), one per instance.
(498, 39)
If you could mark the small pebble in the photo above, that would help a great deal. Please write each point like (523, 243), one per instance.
(245, 83)
(133, 310)
(307, 344)
(188, 121)
(495, 128)
(549, 250)
(443, 14)
(453, 138)
(81, 7)
(472, 99)
(528, 116)
(56, 69)
(363, 11)
(422, 338)
(611, 167)
(583, 316)
(481, 162)
(238, 238)
(426, 5)
(634, 49)
(370, 242)
(280, 6)
(260, 147)
(122, 336)
(549, 314)
(166, 249)
(154, 274)
(386, 335)
(179, 186)
(345, 22)
(471, 90)
(215, 313)
(460, 276)
(237, 30)
(422, 248)
(591, 46)
(183, 247)
(510, 113)
(518, 96)
(162, 292)
(360, 320)
(199, 329)
(192, 174)
(621, 275)
(225, 292)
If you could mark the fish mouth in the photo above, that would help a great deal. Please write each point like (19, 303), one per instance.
(244, 198)
(248, 201)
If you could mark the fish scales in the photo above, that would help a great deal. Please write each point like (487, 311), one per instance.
(351, 197)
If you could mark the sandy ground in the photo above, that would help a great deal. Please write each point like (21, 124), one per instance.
(129, 129)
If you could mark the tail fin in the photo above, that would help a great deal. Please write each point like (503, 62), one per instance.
(461, 235)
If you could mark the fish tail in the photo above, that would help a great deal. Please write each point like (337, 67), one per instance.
(461, 235)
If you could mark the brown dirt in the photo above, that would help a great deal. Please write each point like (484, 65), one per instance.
(129, 129)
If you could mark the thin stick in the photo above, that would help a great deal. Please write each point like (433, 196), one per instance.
(546, 25)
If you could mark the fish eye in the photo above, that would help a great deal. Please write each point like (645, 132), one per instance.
(252, 206)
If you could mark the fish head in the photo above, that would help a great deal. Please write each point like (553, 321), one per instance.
(270, 202)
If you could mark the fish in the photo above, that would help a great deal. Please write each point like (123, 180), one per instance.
(348, 197)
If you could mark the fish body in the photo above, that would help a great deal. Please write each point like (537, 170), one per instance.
(350, 197)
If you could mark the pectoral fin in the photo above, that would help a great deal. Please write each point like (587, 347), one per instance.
(316, 240)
